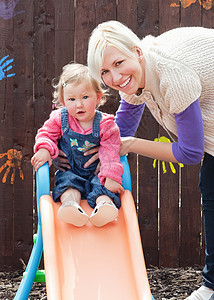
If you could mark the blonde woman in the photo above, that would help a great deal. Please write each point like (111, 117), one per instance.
(173, 75)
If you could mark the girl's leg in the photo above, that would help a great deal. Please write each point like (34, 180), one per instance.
(70, 210)
(71, 195)
(104, 212)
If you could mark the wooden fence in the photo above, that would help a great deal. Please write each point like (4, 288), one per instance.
(36, 39)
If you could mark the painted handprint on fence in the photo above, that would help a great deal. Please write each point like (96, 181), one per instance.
(7, 9)
(206, 4)
(14, 159)
(5, 66)
(164, 139)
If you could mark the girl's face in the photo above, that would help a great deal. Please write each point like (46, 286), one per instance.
(122, 72)
(81, 100)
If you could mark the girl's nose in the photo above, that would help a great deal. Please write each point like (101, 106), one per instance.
(79, 103)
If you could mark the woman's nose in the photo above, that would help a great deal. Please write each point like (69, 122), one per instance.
(116, 77)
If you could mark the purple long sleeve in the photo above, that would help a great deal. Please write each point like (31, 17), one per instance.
(128, 117)
(190, 146)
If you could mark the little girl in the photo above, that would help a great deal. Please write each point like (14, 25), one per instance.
(79, 127)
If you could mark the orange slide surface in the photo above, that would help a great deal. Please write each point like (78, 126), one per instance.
(91, 263)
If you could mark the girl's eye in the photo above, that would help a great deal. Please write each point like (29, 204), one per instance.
(85, 97)
(71, 99)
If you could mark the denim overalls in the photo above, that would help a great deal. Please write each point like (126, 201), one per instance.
(74, 145)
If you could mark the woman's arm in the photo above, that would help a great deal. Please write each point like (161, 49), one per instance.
(61, 162)
(189, 148)
(151, 149)
(128, 117)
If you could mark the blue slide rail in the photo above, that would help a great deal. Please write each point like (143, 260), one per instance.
(43, 188)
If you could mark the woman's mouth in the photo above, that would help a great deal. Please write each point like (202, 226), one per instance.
(125, 83)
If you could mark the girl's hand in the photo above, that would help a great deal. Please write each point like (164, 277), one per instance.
(61, 162)
(126, 143)
(93, 158)
(113, 186)
(40, 157)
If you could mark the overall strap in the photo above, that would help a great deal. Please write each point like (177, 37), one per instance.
(64, 120)
(96, 124)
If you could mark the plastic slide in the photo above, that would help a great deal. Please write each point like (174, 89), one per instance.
(90, 263)
(94, 263)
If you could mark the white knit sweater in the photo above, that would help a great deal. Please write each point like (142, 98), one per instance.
(179, 69)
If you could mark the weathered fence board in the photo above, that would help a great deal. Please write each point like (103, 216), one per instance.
(16, 131)
(42, 36)
(147, 23)
(85, 20)
(191, 221)
(6, 130)
(169, 182)
(190, 211)
(64, 31)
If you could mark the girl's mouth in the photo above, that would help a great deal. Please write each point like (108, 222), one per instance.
(80, 112)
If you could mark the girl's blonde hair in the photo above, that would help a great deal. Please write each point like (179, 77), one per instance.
(75, 73)
(110, 33)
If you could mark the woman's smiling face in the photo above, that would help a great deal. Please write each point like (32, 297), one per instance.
(121, 72)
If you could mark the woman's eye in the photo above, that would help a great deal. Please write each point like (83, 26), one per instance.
(104, 72)
(118, 63)
(85, 97)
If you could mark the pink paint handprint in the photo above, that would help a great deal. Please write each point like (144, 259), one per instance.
(7, 9)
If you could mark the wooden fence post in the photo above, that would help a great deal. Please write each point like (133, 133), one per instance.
(16, 98)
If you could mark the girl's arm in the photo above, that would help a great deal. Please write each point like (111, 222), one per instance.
(190, 146)
(48, 135)
(40, 157)
(109, 150)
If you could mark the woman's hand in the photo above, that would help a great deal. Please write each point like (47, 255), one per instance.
(61, 162)
(113, 186)
(40, 157)
(126, 143)
(93, 158)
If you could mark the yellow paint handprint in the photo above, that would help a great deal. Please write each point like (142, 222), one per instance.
(164, 139)
(13, 162)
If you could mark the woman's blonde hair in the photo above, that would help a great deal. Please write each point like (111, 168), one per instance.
(75, 73)
(110, 33)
